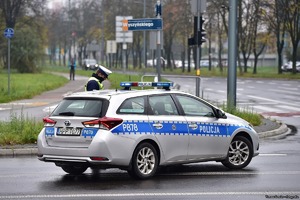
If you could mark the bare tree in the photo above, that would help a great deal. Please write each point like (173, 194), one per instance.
(274, 15)
(292, 23)
(260, 37)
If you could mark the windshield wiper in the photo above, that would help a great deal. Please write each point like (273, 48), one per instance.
(67, 113)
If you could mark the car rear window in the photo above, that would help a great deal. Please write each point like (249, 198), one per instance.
(79, 107)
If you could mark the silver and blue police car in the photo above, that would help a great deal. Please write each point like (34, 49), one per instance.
(142, 130)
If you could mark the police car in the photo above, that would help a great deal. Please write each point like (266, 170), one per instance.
(142, 130)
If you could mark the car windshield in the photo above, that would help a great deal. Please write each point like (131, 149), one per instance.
(90, 61)
(79, 107)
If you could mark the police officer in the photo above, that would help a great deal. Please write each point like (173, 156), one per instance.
(95, 82)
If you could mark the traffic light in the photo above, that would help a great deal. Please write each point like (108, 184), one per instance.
(202, 33)
(199, 36)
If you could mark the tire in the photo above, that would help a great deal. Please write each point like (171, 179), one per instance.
(239, 154)
(74, 170)
(144, 162)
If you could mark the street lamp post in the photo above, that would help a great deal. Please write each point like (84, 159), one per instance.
(232, 54)
(158, 8)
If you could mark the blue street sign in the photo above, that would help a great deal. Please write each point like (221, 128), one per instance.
(142, 24)
(9, 33)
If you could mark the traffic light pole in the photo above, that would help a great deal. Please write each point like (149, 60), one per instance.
(197, 36)
(158, 59)
(232, 54)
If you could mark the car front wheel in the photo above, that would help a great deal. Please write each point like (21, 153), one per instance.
(144, 161)
(74, 170)
(240, 153)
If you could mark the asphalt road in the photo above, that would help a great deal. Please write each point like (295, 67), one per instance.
(275, 172)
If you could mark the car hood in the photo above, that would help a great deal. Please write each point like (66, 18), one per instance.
(237, 119)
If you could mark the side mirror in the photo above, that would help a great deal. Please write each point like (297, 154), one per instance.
(221, 114)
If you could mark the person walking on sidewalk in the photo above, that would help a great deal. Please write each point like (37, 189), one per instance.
(72, 66)
(95, 81)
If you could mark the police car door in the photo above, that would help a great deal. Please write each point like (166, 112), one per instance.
(169, 127)
(208, 134)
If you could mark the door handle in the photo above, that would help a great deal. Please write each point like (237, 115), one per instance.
(193, 126)
(158, 125)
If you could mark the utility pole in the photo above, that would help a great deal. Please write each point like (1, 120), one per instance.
(144, 37)
(70, 31)
(158, 9)
(232, 54)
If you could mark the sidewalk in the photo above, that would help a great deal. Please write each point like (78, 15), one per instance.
(53, 96)
(269, 128)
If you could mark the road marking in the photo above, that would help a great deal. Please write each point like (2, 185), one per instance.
(284, 91)
(266, 99)
(289, 107)
(288, 88)
(268, 109)
(149, 194)
(232, 173)
(272, 154)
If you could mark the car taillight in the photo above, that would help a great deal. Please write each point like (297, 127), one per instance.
(103, 123)
(48, 122)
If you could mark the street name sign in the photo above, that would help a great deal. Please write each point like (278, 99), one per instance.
(142, 24)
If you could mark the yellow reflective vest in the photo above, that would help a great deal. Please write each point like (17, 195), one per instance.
(94, 79)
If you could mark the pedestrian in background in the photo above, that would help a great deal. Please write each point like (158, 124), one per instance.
(95, 81)
(72, 66)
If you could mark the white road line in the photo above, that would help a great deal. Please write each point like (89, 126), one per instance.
(149, 194)
(284, 91)
(272, 154)
(266, 99)
(267, 109)
(233, 173)
(286, 84)
(288, 88)
(292, 108)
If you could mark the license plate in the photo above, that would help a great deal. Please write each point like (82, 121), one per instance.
(69, 131)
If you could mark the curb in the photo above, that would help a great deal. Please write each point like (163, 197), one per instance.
(32, 151)
(18, 152)
(283, 129)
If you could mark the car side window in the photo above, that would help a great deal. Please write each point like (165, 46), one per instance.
(194, 107)
(133, 106)
(162, 105)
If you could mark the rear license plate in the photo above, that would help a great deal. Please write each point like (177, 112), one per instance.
(68, 131)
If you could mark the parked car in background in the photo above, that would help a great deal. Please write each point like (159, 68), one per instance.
(152, 62)
(89, 64)
(288, 67)
(205, 63)
(178, 64)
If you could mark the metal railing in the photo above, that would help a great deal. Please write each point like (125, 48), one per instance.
(197, 80)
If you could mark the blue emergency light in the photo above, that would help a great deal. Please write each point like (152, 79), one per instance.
(164, 85)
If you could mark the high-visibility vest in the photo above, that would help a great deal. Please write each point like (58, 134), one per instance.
(94, 79)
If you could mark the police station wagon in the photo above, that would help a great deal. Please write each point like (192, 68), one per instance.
(142, 130)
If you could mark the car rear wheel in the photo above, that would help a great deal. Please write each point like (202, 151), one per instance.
(74, 170)
(240, 153)
(144, 161)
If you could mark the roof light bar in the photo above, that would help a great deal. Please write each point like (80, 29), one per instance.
(165, 85)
